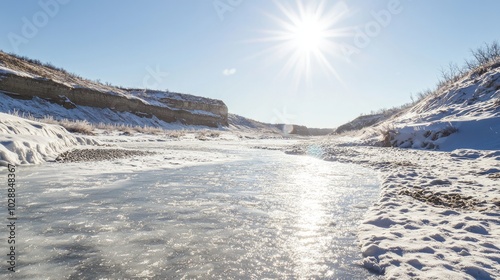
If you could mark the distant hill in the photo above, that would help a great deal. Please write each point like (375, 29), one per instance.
(242, 123)
(361, 122)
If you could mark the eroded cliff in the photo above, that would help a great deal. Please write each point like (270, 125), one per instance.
(22, 78)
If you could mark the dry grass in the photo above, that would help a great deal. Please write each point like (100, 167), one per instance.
(129, 129)
(87, 128)
(388, 134)
(83, 127)
(176, 134)
(207, 134)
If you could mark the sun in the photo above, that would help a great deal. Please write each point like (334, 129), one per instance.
(308, 35)
(305, 38)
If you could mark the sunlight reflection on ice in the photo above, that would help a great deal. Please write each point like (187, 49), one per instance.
(269, 216)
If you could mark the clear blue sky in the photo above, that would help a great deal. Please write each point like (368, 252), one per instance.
(238, 50)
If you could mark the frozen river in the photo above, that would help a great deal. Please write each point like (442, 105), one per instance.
(250, 214)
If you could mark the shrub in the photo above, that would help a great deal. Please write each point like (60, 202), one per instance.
(486, 54)
(205, 134)
(176, 134)
(448, 131)
(84, 127)
(388, 134)
(483, 58)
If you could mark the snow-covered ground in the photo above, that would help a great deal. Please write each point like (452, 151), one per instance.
(438, 214)
(24, 141)
(28, 142)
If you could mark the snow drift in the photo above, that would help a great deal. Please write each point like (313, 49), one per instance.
(28, 142)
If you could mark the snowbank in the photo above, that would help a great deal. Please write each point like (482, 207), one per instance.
(479, 134)
(461, 115)
(437, 217)
(28, 142)
(438, 213)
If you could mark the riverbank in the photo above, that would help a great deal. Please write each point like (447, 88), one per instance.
(437, 216)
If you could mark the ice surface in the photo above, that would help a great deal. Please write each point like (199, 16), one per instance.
(207, 210)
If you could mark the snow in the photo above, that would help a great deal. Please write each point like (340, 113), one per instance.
(477, 133)
(39, 108)
(251, 128)
(29, 142)
(201, 112)
(438, 213)
(161, 99)
(482, 134)
(14, 66)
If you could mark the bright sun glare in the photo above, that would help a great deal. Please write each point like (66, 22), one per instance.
(306, 37)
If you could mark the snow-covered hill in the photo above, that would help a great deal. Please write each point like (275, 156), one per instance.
(245, 124)
(361, 122)
(465, 114)
(32, 83)
(241, 123)
(461, 114)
